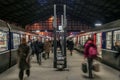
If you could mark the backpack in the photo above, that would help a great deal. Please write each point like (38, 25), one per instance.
(92, 51)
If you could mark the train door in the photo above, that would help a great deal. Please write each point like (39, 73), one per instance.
(99, 44)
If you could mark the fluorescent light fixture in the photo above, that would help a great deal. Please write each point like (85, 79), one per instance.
(82, 31)
(37, 30)
(46, 31)
(98, 24)
(33, 31)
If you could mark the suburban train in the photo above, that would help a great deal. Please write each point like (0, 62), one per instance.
(10, 36)
(104, 37)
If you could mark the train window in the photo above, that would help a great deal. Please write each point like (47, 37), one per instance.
(108, 40)
(83, 40)
(16, 40)
(27, 38)
(116, 36)
(3, 41)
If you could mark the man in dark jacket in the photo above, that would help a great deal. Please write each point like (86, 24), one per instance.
(32, 45)
(59, 44)
(70, 44)
(38, 50)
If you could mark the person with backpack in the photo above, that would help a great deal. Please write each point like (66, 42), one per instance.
(90, 52)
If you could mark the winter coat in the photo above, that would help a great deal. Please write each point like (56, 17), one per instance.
(38, 47)
(47, 46)
(23, 55)
(86, 48)
(58, 44)
(32, 45)
(70, 45)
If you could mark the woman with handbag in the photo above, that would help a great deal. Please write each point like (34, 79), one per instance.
(90, 52)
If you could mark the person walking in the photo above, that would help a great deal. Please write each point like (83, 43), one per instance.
(23, 58)
(90, 52)
(32, 45)
(38, 50)
(70, 45)
(59, 46)
(47, 47)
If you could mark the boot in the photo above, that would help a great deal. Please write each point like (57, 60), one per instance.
(28, 72)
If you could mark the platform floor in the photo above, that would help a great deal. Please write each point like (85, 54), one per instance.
(73, 72)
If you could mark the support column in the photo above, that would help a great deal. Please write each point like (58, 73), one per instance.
(55, 42)
(65, 23)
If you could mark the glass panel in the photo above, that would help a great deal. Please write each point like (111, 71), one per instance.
(108, 40)
(98, 44)
(3, 41)
(27, 38)
(116, 36)
(16, 40)
(83, 40)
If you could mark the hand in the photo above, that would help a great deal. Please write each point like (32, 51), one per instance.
(84, 59)
(27, 60)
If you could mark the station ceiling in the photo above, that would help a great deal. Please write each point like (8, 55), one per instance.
(25, 12)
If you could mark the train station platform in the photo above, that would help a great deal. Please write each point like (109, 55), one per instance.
(73, 72)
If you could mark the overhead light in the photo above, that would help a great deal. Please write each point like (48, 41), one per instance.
(98, 24)
(46, 31)
(37, 30)
(82, 31)
(33, 31)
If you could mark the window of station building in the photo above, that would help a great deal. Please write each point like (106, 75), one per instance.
(108, 40)
(116, 36)
(3, 41)
(16, 40)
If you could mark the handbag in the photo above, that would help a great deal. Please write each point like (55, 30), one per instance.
(96, 67)
(84, 67)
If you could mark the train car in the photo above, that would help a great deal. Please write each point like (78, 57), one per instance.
(10, 36)
(4, 50)
(82, 38)
(110, 33)
(105, 37)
